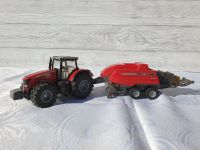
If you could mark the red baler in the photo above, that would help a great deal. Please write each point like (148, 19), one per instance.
(137, 79)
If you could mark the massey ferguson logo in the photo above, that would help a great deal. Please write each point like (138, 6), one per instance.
(129, 74)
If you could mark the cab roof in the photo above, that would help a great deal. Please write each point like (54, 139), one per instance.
(63, 58)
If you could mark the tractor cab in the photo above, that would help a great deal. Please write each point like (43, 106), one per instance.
(64, 65)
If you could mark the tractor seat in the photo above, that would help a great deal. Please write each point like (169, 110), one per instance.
(70, 69)
(66, 72)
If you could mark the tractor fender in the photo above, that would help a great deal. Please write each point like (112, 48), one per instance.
(79, 72)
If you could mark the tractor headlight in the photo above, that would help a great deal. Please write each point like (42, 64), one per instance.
(25, 83)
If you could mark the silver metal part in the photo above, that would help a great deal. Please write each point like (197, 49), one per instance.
(185, 82)
(111, 91)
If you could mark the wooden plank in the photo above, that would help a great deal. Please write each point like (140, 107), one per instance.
(63, 19)
(129, 38)
(62, 12)
(89, 58)
(132, 9)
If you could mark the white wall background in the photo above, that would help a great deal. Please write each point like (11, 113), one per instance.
(163, 33)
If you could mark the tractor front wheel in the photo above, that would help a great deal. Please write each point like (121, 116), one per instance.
(44, 95)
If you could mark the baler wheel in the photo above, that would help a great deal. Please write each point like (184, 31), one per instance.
(152, 93)
(135, 93)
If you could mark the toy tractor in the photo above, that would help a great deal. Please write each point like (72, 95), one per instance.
(62, 77)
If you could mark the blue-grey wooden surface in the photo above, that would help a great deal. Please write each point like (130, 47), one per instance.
(163, 33)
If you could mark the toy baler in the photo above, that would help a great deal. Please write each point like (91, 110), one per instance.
(138, 80)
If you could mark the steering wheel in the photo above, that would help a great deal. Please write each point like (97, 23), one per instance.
(65, 67)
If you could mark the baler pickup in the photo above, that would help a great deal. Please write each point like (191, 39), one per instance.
(185, 82)
(170, 80)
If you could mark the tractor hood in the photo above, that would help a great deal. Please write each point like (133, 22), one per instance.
(36, 74)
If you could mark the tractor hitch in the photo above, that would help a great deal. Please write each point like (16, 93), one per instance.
(98, 80)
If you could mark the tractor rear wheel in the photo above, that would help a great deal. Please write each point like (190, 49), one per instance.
(135, 93)
(44, 95)
(82, 86)
(152, 93)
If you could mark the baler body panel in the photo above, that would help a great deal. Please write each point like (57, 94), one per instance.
(130, 74)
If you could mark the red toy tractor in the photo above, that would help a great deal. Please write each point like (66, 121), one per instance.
(64, 77)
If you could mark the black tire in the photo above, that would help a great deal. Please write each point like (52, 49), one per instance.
(134, 93)
(82, 85)
(43, 95)
(152, 93)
